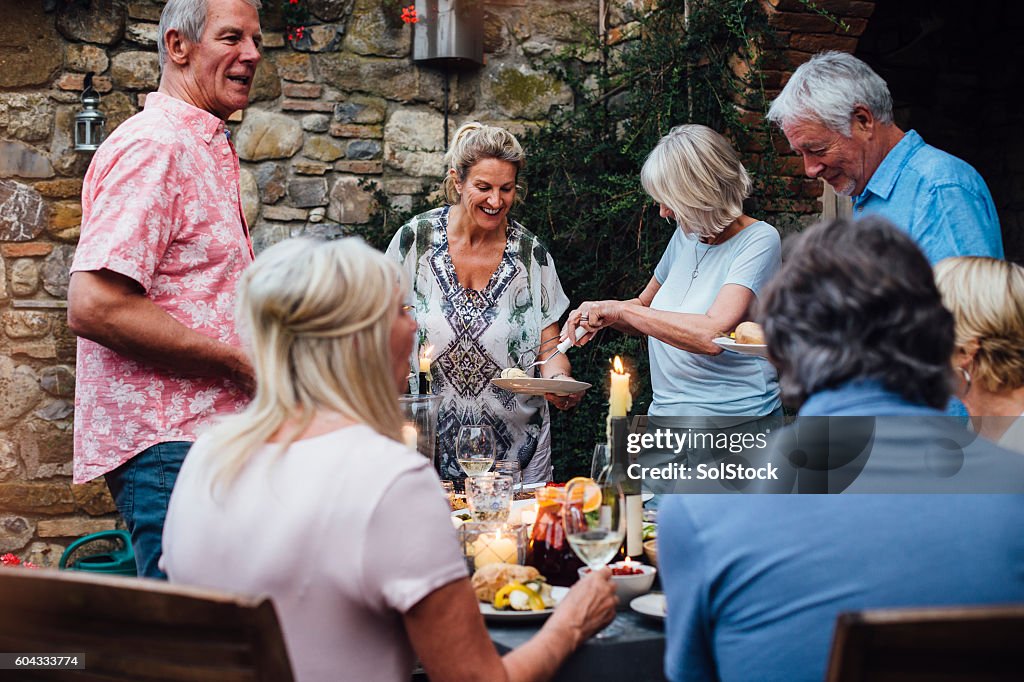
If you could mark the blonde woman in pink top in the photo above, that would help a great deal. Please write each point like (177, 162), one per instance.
(308, 495)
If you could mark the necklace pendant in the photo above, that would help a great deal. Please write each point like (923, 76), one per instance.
(694, 274)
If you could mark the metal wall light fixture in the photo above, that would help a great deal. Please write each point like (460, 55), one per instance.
(90, 121)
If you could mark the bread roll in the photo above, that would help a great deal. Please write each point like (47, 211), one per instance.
(492, 577)
(749, 332)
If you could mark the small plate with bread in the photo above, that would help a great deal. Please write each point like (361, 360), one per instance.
(508, 592)
(748, 339)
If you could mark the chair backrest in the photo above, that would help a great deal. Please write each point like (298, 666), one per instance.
(139, 630)
(980, 644)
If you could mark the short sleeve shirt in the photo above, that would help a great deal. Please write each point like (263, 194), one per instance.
(939, 200)
(160, 205)
(476, 334)
(729, 384)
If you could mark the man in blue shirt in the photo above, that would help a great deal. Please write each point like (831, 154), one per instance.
(837, 114)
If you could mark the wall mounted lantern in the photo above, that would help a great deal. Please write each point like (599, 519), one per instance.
(90, 122)
(449, 33)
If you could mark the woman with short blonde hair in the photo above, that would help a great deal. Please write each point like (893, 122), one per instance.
(986, 297)
(308, 497)
(706, 283)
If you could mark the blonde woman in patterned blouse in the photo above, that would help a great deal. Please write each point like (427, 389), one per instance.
(486, 292)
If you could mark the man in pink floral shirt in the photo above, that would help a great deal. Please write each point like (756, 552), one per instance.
(152, 290)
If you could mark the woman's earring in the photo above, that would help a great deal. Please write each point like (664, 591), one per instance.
(967, 380)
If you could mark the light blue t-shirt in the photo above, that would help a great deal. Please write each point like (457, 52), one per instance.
(728, 384)
(938, 199)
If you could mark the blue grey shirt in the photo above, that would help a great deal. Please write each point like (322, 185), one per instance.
(728, 384)
(938, 199)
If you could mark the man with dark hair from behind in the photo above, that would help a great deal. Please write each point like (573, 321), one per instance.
(754, 583)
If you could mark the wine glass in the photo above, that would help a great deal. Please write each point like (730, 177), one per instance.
(474, 449)
(594, 517)
(600, 462)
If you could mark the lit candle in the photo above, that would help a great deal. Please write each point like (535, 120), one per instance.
(620, 400)
(425, 354)
(409, 436)
(494, 549)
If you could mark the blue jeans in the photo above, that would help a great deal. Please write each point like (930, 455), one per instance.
(142, 489)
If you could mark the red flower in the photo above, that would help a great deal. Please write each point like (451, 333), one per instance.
(293, 2)
(10, 560)
(409, 14)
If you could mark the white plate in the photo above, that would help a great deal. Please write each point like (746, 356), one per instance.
(651, 604)
(758, 349)
(493, 614)
(530, 386)
(514, 515)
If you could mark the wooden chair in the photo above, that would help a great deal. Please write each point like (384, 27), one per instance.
(138, 630)
(980, 644)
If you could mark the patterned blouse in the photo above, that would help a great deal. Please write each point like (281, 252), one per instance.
(476, 334)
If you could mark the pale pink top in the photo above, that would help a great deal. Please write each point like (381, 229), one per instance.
(161, 205)
(345, 532)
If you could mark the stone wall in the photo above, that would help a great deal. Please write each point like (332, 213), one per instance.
(343, 104)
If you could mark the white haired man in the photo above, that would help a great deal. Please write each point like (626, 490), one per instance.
(152, 290)
(836, 113)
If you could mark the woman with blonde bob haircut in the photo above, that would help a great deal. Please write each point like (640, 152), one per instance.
(707, 281)
(487, 297)
(307, 496)
(986, 297)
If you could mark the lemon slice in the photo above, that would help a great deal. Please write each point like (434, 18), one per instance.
(589, 492)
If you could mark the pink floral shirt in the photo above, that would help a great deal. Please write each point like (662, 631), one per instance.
(161, 205)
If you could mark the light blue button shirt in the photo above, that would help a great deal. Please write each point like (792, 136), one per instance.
(938, 199)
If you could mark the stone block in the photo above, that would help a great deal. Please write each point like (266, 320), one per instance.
(316, 215)
(18, 159)
(60, 188)
(392, 79)
(350, 203)
(4, 297)
(818, 42)
(30, 48)
(56, 270)
(41, 349)
(75, 82)
(15, 532)
(316, 123)
(22, 215)
(250, 193)
(266, 84)
(399, 185)
(272, 40)
(353, 130)
(799, 22)
(24, 277)
(145, 11)
(294, 66)
(99, 21)
(266, 234)
(362, 150)
(311, 167)
(270, 179)
(306, 105)
(321, 230)
(19, 391)
(267, 135)
(10, 466)
(44, 554)
(360, 167)
(520, 92)
(58, 381)
(323, 148)
(414, 163)
(27, 116)
(360, 109)
(143, 33)
(73, 527)
(331, 10)
(283, 213)
(308, 192)
(136, 70)
(25, 324)
(55, 410)
(93, 498)
(47, 443)
(370, 33)
(564, 21)
(37, 498)
(65, 214)
(320, 38)
(302, 90)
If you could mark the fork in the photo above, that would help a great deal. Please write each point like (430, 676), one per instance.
(559, 349)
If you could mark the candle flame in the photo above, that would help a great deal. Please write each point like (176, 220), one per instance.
(427, 353)
(617, 365)
(628, 562)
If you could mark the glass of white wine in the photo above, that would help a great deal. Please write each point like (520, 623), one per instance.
(474, 449)
(594, 517)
